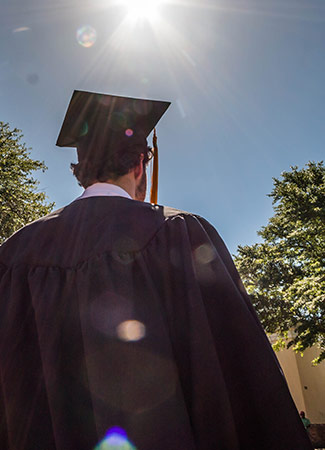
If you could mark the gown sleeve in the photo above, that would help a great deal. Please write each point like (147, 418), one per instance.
(232, 383)
(25, 419)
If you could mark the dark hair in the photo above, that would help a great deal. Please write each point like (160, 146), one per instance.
(125, 156)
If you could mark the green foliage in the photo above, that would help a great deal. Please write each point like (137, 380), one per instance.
(285, 274)
(20, 202)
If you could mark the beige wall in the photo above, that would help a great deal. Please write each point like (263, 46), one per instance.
(306, 382)
(287, 359)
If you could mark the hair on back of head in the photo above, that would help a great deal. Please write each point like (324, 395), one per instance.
(95, 164)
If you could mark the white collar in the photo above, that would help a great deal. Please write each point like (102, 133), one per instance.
(104, 189)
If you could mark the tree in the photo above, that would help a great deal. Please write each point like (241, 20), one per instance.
(20, 202)
(285, 274)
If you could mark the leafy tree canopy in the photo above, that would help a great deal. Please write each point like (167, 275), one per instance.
(285, 274)
(20, 202)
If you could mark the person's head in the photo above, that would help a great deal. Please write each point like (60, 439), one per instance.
(128, 155)
(302, 414)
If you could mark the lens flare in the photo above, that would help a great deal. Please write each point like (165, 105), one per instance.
(86, 36)
(131, 330)
(84, 129)
(115, 439)
(204, 254)
(20, 29)
(32, 78)
(129, 132)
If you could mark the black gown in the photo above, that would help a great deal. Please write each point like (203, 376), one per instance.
(195, 372)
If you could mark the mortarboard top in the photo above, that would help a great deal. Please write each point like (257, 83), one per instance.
(90, 114)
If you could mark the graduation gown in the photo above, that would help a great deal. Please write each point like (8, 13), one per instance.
(193, 371)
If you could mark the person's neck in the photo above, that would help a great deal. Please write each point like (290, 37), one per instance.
(126, 183)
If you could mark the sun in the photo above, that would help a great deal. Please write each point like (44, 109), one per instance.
(142, 9)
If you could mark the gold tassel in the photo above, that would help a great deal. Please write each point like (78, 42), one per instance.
(154, 179)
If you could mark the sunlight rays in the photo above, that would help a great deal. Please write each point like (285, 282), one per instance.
(153, 40)
(145, 46)
(142, 9)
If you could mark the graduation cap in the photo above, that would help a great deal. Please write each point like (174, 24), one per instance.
(108, 119)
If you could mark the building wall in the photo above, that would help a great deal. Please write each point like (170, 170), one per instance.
(313, 385)
(306, 382)
(288, 362)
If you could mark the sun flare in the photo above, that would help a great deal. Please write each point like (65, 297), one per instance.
(142, 9)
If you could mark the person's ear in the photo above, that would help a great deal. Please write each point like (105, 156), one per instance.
(138, 170)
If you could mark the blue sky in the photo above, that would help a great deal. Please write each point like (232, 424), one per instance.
(246, 80)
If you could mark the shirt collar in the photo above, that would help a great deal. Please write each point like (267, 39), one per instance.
(104, 189)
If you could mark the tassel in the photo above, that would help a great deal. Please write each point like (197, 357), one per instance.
(154, 179)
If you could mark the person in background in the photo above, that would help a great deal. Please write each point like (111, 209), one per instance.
(305, 420)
